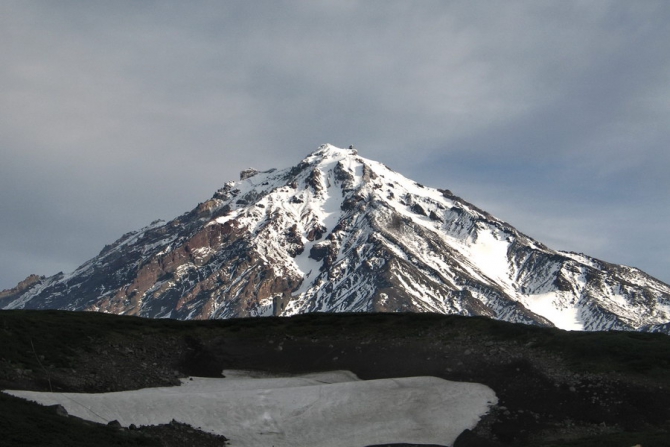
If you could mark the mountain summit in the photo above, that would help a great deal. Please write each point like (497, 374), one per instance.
(341, 233)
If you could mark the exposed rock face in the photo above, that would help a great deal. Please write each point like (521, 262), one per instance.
(7, 296)
(247, 173)
(340, 233)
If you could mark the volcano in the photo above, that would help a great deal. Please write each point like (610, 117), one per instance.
(340, 233)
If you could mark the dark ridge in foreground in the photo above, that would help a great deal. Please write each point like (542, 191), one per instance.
(555, 388)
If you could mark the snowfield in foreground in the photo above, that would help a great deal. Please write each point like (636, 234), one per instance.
(319, 410)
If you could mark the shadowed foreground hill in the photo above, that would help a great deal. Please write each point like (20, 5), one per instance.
(555, 388)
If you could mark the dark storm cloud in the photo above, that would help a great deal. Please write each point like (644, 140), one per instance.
(551, 115)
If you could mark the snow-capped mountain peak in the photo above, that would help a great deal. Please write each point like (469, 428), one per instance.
(340, 233)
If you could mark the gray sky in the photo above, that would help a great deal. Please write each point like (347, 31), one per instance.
(551, 115)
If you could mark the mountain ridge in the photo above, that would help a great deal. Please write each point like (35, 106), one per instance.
(341, 233)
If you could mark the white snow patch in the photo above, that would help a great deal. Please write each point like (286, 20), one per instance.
(317, 410)
(490, 256)
(309, 268)
(619, 299)
(223, 219)
(546, 305)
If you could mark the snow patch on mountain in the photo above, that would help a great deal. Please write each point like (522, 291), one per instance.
(549, 306)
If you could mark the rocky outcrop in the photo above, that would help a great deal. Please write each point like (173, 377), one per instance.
(9, 295)
(247, 173)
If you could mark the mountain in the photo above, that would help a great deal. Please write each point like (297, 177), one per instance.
(341, 233)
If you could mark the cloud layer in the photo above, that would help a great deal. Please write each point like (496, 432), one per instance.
(552, 116)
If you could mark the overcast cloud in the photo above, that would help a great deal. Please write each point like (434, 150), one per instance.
(553, 116)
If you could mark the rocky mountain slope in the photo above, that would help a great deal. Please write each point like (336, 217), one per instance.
(341, 233)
